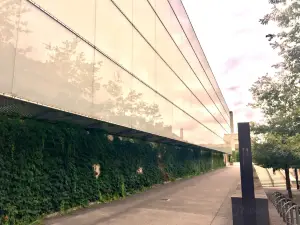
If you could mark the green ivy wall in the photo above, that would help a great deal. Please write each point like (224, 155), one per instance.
(47, 167)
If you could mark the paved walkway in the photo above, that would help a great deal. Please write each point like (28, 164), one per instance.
(268, 179)
(202, 200)
(276, 180)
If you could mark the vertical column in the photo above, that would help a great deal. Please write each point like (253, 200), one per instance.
(181, 133)
(212, 160)
(225, 159)
(247, 182)
(231, 122)
(232, 148)
(232, 131)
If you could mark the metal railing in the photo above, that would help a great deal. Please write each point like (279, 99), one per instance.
(287, 209)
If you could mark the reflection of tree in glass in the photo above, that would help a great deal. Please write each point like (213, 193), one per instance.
(67, 68)
(73, 71)
(70, 65)
(143, 115)
(10, 11)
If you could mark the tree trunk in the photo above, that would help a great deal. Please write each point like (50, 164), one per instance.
(288, 181)
(296, 175)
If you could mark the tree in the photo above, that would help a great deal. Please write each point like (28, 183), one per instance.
(279, 101)
(287, 41)
(278, 96)
(275, 151)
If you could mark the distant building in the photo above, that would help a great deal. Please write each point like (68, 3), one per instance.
(235, 141)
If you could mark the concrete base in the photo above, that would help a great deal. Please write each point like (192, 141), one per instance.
(262, 211)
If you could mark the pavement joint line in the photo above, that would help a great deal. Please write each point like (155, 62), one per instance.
(224, 200)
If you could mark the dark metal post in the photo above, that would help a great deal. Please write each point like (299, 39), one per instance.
(296, 176)
(247, 182)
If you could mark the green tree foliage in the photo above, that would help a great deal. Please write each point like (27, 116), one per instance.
(236, 156)
(278, 95)
(287, 41)
(48, 167)
(274, 151)
(279, 101)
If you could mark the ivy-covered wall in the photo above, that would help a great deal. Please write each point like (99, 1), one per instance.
(46, 167)
(236, 156)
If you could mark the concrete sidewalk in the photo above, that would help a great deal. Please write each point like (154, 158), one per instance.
(202, 200)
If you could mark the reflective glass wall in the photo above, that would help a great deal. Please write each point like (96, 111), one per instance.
(135, 63)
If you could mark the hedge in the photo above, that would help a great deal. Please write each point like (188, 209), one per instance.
(236, 156)
(48, 167)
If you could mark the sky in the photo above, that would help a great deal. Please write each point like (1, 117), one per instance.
(235, 46)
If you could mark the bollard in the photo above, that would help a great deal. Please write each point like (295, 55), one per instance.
(297, 214)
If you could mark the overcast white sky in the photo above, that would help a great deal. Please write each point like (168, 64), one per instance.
(235, 45)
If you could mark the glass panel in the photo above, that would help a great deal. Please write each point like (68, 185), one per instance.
(196, 87)
(185, 47)
(164, 121)
(181, 96)
(79, 15)
(114, 33)
(192, 131)
(179, 122)
(165, 46)
(113, 98)
(169, 51)
(144, 19)
(219, 117)
(9, 14)
(176, 31)
(153, 3)
(145, 113)
(168, 83)
(185, 22)
(57, 68)
(163, 11)
(200, 113)
(124, 6)
(143, 60)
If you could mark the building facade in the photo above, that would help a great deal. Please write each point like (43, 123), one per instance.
(133, 63)
(233, 139)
